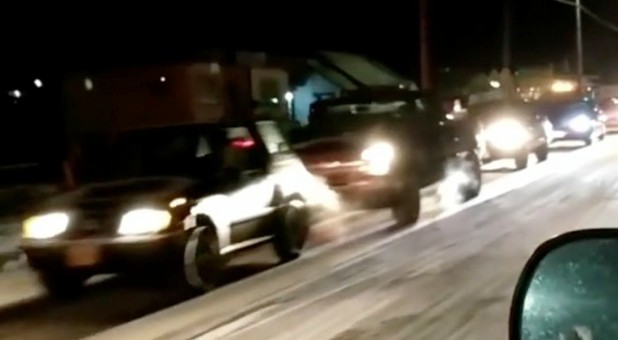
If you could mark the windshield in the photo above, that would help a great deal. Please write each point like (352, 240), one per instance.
(174, 152)
(567, 108)
(333, 117)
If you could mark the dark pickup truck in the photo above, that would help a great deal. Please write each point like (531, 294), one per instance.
(379, 147)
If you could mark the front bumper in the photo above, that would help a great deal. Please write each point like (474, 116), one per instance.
(371, 192)
(570, 135)
(107, 255)
(494, 153)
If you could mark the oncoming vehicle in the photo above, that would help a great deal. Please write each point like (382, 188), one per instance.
(378, 149)
(609, 113)
(574, 120)
(177, 201)
(511, 130)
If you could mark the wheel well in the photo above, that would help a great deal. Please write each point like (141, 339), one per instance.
(211, 230)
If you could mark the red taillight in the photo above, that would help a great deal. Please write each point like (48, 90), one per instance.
(243, 143)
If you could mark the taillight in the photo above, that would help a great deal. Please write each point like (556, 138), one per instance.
(242, 143)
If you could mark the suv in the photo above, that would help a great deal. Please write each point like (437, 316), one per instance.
(175, 200)
(574, 119)
(379, 148)
(511, 130)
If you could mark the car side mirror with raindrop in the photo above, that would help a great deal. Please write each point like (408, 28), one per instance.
(568, 289)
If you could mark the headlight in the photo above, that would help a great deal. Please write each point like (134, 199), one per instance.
(581, 123)
(508, 134)
(45, 226)
(379, 157)
(144, 221)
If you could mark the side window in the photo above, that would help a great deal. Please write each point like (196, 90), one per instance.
(275, 143)
(241, 151)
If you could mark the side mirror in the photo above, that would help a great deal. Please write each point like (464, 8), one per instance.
(568, 289)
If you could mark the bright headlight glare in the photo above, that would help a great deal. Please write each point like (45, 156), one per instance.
(144, 221)
(378, 157)
(507, 134)
(45, 226)
(580, 123)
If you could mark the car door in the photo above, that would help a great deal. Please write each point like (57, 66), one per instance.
(251, 191)
(433, 136)
(287, 171)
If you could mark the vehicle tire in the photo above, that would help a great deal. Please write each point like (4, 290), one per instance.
(542, 153)
(407, 206)
(456, 189)
(202, 263)
(473, 169)
(64, 284)
(521, 161)
(602, 136)
(291, 231)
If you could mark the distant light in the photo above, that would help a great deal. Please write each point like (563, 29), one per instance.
(176, 202)
(15, 93)
(38, 83)
(450, 116)
(562, 86)
(495, 84)
(88, 84)
(274, 100)
(289, 96)
(163, 79)
(457, 107)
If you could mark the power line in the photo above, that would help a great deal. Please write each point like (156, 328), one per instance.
(591, 14)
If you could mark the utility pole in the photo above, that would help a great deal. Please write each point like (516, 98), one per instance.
(506, 39)
(424, 42)
(580, 45)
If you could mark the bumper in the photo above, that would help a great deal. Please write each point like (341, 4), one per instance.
(568, 135)
(371, 192)
(107, 255)
(494, 153)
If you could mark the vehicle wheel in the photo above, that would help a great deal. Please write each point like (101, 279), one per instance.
(521, 161)
(291, 232)
(407, 206)
(602, 136)
(462, 180)
(472, 168)
(542, 153)
(63, 284)
(203, 265)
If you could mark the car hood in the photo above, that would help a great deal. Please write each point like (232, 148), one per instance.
(125, 193)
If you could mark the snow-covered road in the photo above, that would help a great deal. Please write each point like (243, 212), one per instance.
(449, 278)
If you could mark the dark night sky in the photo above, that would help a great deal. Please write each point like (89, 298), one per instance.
(464, 33)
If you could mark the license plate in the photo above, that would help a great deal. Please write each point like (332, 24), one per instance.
(83, 255)
(559, 134)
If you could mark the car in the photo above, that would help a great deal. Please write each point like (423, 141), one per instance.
(609, 113)
(511, 130)
(378, 148)
(574, 120)
(174, 202)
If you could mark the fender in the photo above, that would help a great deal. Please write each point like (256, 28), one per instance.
(212, 211)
